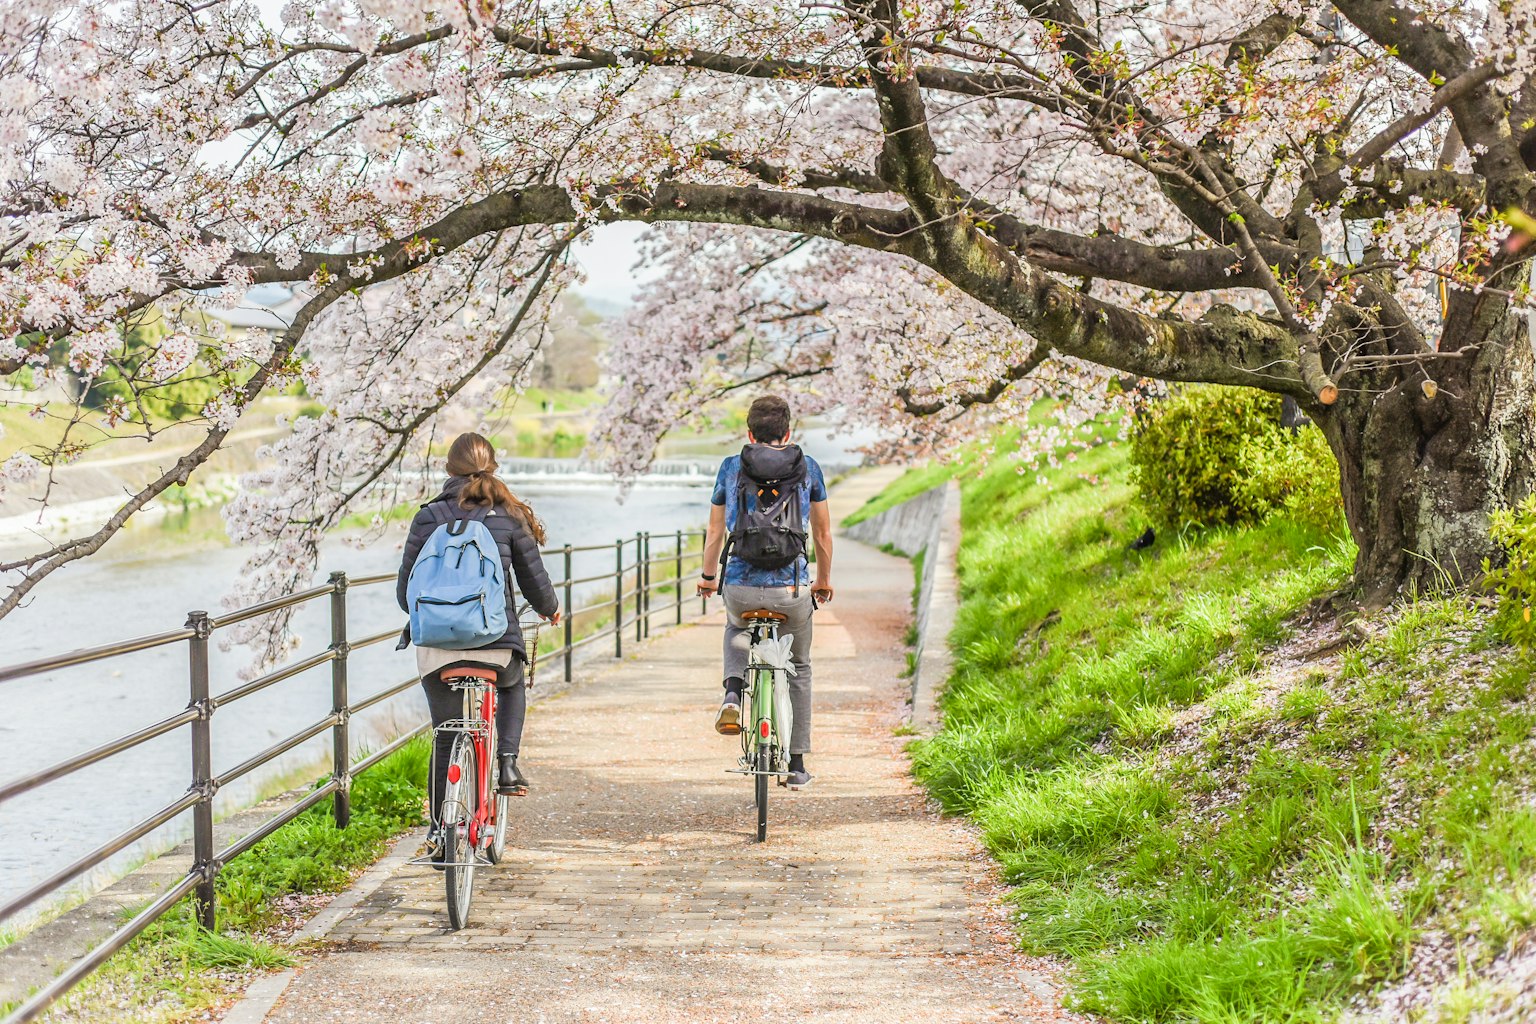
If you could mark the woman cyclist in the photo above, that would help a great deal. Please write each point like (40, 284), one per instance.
(472, 485)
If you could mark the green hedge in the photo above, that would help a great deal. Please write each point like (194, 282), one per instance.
(1214, 456)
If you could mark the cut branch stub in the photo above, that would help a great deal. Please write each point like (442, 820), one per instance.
(1317, 380)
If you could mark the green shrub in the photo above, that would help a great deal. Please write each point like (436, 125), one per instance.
(1515, 530)
(1214, 456)
(1293, 476)
(310, 854)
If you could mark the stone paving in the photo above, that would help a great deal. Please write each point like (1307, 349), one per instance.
(632, 889)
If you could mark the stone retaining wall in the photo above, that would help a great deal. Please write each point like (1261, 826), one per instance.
(927, 524)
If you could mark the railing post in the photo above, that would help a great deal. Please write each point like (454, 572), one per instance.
(639, 584)
(618, 599)
(645, 585)
(202, 767)
(679, 601)
(341, 742)
(568, 618)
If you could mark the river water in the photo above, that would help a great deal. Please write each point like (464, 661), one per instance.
(149, 577)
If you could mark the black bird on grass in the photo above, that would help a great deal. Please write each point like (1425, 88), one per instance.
(1145, 540)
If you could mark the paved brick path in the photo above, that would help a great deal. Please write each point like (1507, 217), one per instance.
(632, 890)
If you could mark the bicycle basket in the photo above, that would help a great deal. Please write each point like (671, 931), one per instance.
(531, 629)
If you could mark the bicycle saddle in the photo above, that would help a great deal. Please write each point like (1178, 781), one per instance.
(474, 671)
(763, 613)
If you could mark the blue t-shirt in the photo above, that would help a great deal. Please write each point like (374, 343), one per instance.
(812, 488)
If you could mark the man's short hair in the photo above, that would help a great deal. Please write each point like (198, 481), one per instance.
(768, 419)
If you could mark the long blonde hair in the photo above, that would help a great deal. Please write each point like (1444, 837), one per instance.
(471, 456)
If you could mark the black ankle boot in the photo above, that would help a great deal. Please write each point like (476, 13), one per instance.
(510, 779)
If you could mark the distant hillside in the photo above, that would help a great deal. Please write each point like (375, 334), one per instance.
(605, 307)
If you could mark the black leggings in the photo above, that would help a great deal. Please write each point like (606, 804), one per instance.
(446, 703)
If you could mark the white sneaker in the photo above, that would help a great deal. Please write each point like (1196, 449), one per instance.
(728, 720)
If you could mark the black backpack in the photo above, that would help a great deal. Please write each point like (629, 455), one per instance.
(770, 527)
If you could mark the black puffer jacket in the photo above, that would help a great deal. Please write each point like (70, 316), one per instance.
(519, 560)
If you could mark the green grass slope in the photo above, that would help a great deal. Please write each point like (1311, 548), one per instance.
(1210, 799)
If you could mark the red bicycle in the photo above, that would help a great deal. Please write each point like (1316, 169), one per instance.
(472, 818)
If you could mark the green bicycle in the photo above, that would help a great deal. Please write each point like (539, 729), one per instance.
(769, 718)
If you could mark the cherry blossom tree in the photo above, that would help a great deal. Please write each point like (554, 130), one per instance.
(925, 215)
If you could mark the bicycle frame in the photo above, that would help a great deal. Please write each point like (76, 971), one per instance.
(483, 739)
(761, 696)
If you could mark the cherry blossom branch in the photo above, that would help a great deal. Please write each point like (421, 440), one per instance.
(908, 155)
(778, 373)
(1112, 105)
(1436, 54)
(990, 394)
(1101, 256)
(385, 263)
(850, 178)
(1258, 41)
(825, 75)
(38, 567)
(338, 82)
(1422, 44)
(1383, 141)
(1310, 358)
(404, 433)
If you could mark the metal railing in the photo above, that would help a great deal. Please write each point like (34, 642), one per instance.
(637, 599)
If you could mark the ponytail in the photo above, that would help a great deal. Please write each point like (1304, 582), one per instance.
(472, 457)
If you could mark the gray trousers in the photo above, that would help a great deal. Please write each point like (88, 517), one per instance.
(738, 638)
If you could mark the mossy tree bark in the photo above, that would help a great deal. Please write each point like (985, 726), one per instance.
(1424, 460)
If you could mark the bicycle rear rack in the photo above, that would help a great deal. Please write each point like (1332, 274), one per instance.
(471, 725)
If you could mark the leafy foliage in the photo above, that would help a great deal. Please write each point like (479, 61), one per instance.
(1216, 456)
(1515, 580)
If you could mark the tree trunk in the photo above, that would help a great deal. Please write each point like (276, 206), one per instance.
(1422, 468)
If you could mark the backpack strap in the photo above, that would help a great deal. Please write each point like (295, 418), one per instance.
(451, 513)
(456, 517)
(745, 490)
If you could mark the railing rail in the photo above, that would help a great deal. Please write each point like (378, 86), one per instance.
(631, 605)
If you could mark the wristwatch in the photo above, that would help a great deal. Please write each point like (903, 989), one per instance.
(703, 576)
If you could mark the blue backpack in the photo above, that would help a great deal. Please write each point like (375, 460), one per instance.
(456, 591)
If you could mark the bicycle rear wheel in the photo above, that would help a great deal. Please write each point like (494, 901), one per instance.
(764, 766)
(458, 811)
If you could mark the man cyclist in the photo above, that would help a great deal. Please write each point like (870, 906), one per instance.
(787, 590)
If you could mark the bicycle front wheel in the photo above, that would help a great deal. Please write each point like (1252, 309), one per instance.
(764, 766)
(458, 811)
(498, 847)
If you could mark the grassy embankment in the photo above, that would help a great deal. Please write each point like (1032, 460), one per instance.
(1212, 802)
(542, 422)
(176, 971)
